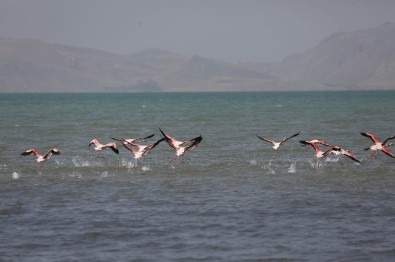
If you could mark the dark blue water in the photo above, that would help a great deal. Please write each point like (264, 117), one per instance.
(232, 199)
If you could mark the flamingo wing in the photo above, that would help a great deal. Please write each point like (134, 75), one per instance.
(152, 146)
(113, 147)
(50, 152)
(287, 138)
(372, 137)
(351, 156)
(121, 139)
(387, 152)
(145, 138)
(30, 151)
(266, 140)
(194, 144)
(131, 149)
(385, 141)
(170, 140)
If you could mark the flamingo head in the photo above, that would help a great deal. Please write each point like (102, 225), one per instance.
(93, 142)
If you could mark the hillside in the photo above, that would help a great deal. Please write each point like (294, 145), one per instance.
(356, 60)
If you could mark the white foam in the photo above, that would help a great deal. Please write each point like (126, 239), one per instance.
(104, 174)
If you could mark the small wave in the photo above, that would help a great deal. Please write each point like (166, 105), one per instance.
(104, 174)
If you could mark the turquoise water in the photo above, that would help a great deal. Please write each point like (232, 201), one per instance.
(232, 199)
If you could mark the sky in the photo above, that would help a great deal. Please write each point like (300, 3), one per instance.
(228, 30)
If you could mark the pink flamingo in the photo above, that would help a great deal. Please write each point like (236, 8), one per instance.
(319, 154)
(142, 149)
(336, 150)
(100, 147)
(181, 147)
(41, 158)
(378, 146)
(276, 145)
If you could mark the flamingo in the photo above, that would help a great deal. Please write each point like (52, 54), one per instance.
(378, 146)
(276, 145)
(142, 149)
(336, 150)
(181, 147)
(99, 147)
(319, 154)
(132, 140)
(41, 158)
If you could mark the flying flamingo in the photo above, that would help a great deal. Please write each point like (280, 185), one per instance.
(378, 146)
(276, 145)
(41, 158)
(100, 147)
(181, 147)
(338, 151)
(142, 149)
(319, 154)
(132, 140)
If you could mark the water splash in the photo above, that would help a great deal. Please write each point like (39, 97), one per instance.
(128, 164)
(15, 175)
(332, 159)
(253, 162)
(146, 168)
(292, 168)
(104, 174)
(58, 162)
(270, 169)
(78, 162)
(76, 175)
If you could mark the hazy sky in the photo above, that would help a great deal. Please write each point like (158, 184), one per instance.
(230, 30)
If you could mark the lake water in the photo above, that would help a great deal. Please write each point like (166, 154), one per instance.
(233, 198)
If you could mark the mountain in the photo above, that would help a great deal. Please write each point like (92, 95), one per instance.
(28, 65)
(357, 60)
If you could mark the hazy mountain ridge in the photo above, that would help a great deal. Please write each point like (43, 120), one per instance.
(358, 60)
